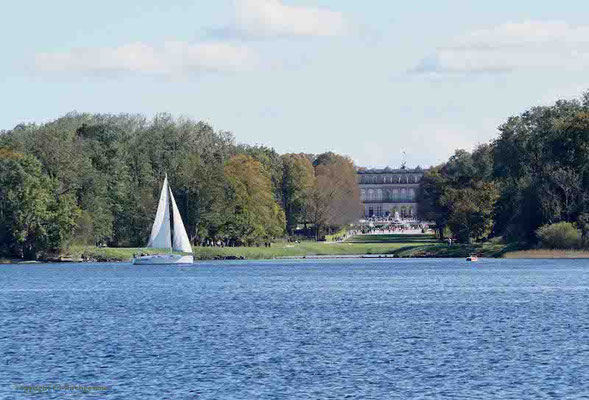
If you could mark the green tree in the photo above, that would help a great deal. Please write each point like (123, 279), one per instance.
(583, 224)
(471, 210)
(255, 214)
(34, 217)
(541, 164)
(431, 208)
(460, 194)
(297, 181)
(271, 163)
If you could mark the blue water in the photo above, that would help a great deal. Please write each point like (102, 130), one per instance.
(318, 329)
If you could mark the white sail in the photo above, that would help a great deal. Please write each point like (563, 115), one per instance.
(181, 242)
(160, 232)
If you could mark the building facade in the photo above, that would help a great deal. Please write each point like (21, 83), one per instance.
(385, 192)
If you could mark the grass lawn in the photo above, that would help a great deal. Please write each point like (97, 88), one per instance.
(303, 249)
(278, 249)
(442, 250)
(391, 245)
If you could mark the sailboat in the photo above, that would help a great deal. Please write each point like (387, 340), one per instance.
(161, 234)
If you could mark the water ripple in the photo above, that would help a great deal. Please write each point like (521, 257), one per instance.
(325, 329)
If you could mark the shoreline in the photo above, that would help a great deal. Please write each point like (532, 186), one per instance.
(538, 254)
(385, 246)
(413, 253)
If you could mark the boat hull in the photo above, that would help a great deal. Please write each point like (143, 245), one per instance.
(163, 259)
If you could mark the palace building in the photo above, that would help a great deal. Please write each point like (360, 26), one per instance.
(385, 192)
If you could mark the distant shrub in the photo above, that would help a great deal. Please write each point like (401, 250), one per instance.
(562, 235)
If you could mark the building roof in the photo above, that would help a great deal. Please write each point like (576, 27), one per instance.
(388, 170)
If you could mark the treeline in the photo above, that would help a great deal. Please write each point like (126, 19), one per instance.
(535, 174)
(95, 179)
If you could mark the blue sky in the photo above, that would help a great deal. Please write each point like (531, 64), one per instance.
(368, 79)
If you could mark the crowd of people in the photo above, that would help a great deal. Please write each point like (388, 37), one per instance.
(393, 229)
(231, 243)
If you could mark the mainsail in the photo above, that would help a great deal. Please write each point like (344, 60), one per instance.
(160, 232)
(181, 242)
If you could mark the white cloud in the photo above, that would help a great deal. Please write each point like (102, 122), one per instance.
(530, 32)
(170, 58)
(513, 46)
(272, 17)
(253, 17)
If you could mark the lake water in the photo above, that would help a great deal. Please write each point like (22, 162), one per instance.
(318, 329)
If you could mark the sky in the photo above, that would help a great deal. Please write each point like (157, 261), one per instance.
(370, 79)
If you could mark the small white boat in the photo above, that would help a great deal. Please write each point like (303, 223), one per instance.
(162, 237)
(472, 258)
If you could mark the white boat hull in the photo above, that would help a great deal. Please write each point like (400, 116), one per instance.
(163, 259)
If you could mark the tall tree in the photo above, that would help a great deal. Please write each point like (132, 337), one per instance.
(334, 199)
(470, 210)
(297, 181)
(34, 217)
(271, 163)
(460, 195)
(255, 214)
(431, 208)
(541, 160)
